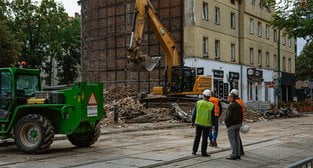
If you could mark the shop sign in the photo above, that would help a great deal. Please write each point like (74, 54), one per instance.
(218, 74)
(253, 73)
(233, 76)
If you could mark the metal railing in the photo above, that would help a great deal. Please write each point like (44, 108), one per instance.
(307, 163)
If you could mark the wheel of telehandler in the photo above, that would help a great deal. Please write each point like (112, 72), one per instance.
(85, 139)
(33, 133)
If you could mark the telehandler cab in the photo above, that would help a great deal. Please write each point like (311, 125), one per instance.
(32, 116)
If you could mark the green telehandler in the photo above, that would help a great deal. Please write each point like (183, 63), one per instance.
(32, 116)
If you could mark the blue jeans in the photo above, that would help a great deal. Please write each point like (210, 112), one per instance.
(213, 134)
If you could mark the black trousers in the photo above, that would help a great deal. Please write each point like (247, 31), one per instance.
(241, 148)
(204, 131)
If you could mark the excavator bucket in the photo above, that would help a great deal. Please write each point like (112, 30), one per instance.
(151, 62)
(147, 64)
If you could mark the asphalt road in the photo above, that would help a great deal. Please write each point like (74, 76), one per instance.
(275, 143)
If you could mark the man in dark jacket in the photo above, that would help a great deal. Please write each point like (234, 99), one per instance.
(233, 123)
(203, 118)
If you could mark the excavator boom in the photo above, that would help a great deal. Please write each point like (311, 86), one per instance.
(144, 9)
(179, 80)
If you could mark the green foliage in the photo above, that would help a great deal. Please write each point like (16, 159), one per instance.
(68, 62)
(42, 28)
(304, 63)
(23, 22)
(294, 16)
(9, 47)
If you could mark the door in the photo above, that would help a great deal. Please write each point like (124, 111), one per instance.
(5, 93)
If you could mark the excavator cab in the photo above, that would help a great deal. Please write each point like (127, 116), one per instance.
(183, 79)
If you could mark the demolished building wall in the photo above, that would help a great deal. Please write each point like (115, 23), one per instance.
(106, 29)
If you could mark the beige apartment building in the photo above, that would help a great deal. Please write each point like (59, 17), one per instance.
(234, 43)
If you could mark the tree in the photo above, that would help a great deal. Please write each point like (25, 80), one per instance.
(23, 22)
(304, 63)
(295, 17)
(47, 35)
(70, 60)
(9, 47)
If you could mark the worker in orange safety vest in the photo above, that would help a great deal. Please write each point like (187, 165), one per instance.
(217, 113)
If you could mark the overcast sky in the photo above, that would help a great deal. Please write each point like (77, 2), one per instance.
(70, 6)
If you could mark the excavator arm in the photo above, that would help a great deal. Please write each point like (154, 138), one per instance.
(145, 9)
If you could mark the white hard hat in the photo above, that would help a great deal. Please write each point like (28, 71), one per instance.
(207, 93)
(244, 128)
(234, 92)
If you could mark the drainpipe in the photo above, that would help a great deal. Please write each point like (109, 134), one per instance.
(240, 12)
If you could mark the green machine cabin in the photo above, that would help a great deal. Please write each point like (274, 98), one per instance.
(33, 116)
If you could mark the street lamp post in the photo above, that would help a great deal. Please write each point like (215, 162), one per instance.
(278, 80)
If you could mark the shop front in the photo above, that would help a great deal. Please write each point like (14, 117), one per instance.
(288, 81)
(254, 84)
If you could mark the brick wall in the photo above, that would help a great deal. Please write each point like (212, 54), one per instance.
(106, 29)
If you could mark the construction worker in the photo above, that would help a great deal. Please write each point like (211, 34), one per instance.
(217, 113)
(233, 121)
(203, 118)
(235, 92)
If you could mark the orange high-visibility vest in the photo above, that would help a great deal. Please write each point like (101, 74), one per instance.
(243, 109)
(217, 109)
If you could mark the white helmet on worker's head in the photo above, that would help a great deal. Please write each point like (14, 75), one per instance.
(207, 93)
(234, 92)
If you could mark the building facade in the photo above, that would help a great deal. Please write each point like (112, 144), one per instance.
(234, 43)
(230, 41)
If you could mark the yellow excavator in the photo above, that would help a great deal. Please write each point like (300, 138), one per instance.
(179, 80)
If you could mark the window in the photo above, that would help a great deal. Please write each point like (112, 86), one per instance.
(289, 64)
(283, 40)
(259, 29)
(249, 90)
(205, 46)
(205, 11)
(267, 33)
(232, 20)
(284, 63)
(266, 92)
(253, 2)
(5, 84)
(275, 35)
(28, 83)
(289, 41)
(232, 2)
(217, 49)
(261, 4)
(251, 26)
(259, 58)
(217, 15)
(232, 52)
(251, 56)
(275, 61)
(267, 59)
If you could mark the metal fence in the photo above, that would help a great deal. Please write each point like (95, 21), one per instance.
(307, 163)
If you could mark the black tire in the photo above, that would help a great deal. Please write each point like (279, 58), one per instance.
(83, 140)
(40, 127)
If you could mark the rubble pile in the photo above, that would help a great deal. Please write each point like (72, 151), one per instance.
(253, 116)
(122, 101)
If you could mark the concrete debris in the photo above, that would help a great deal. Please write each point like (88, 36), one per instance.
(181, 113)
(253, 116)
(282, 113)
(122, 107)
